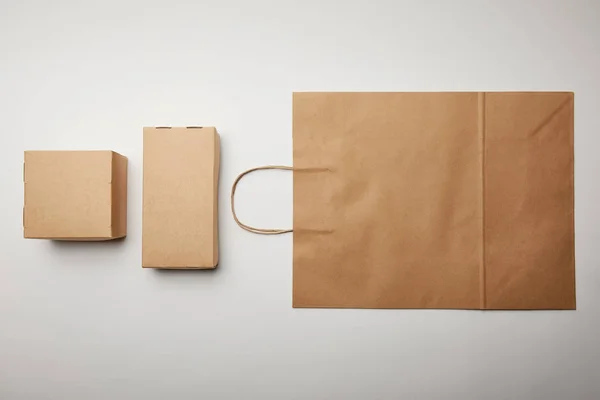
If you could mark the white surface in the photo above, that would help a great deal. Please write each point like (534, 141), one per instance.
(84, 321)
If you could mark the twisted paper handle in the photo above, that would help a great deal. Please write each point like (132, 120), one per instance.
(249, 228)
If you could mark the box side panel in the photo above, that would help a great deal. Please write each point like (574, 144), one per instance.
(216, 172)
(119, 196)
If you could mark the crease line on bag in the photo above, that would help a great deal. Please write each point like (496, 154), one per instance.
(481, 114)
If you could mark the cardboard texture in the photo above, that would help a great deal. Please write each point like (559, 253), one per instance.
(181, 173)
(433, 200)
(75, 195)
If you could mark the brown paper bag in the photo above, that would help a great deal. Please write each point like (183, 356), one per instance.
(433, 200)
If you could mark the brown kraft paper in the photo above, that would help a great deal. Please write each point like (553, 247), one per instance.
(433, 200)
(180, 198)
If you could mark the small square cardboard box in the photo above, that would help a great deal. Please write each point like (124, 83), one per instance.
(75, 195)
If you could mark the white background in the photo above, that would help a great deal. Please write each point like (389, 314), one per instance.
(84, 321)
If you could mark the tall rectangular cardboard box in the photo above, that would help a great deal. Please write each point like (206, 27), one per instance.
(75, 195)
(181, 172)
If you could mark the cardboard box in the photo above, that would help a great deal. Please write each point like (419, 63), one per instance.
(75, 195)
(181, 172)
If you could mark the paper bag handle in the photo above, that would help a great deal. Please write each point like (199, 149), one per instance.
(249, 228)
